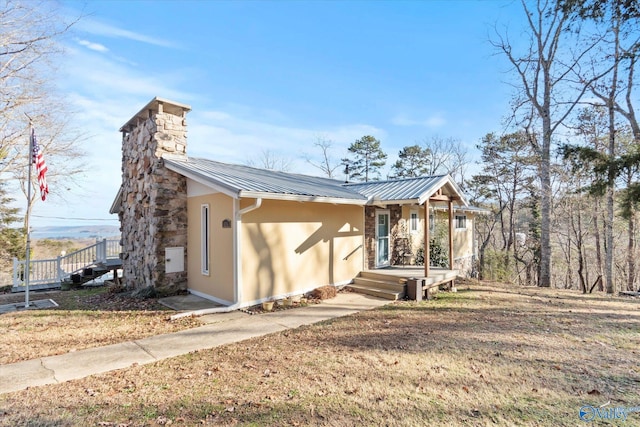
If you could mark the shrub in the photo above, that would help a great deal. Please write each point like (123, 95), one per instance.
(324, 292)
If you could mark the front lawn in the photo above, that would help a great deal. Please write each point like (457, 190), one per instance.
(486, 355)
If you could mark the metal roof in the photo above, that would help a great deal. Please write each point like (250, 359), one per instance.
(246, 181)
(416, 190)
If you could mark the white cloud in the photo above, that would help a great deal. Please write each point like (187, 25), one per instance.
(99, 77)
(231, 138)
(93, 46)
(431, 122)
(95, 27)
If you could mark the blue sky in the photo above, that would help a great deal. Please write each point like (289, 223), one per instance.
(275, 76)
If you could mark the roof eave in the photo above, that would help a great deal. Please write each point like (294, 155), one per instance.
(301, 198)
(444, 180)
(230, 191)
(374, 201)
(117, 202)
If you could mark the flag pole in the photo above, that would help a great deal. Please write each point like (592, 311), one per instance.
(27, 265)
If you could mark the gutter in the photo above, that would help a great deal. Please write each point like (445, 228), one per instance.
(250, 208)
(236, 269)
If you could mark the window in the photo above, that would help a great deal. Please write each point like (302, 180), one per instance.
(461, 221)
(413, 222)
(432, 222)
(204, 238)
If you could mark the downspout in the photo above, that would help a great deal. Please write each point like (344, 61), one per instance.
(236, 266)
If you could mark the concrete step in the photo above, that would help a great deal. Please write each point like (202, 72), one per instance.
(377, 292)
(380, 284)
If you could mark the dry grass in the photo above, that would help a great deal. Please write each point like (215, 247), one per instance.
(484, 356)
(85, 318)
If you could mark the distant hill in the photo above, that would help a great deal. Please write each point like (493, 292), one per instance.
(75, 232)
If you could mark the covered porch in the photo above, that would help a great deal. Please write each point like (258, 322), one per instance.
(401, 225)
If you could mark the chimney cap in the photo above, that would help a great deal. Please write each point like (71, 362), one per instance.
(155, 105)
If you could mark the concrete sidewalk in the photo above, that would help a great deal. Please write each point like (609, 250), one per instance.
(220, 329)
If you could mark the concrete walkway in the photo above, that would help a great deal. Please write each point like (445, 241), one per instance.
(220, 329)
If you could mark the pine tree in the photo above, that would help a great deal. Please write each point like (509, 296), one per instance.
(12, 240)
(367, 159)
(413, 161)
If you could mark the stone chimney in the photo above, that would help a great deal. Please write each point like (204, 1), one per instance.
(153, 209)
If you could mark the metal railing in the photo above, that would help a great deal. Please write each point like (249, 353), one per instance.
(54, 271)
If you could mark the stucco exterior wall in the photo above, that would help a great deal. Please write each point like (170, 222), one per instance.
(463, 239)
(293, 247)
(219, 282)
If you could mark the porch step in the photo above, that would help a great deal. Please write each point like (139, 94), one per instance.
(382, 277)
(379, 285)
(81, 279)
(376, 292)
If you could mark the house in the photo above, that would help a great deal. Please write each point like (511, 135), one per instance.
(239, 235)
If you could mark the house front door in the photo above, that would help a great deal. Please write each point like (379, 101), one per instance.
(382, 239)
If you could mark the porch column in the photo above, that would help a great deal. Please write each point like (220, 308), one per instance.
(427, 249)
(451, 234)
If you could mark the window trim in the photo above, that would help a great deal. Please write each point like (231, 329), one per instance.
(205, 239)
(414, 226)
(461, 222)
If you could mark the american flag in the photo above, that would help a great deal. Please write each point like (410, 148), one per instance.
(41, 166)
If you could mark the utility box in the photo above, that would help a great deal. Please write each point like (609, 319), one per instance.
(174, 260)
(414, 289)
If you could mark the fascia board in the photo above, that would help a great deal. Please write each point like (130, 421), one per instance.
(225, 189)
(299, 198)
(375, 201)
(117, 202)
(446, 179)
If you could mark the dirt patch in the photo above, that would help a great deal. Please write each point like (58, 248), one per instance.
(486, 355)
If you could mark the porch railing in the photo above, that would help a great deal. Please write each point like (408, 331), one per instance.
(54, 271)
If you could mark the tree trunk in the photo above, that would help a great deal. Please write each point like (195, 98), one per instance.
(596, 231)
(544, 279)
(608, 260)
(631, 259)
(579, 247)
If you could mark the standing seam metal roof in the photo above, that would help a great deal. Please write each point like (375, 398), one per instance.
(401, 189)
(239, 179)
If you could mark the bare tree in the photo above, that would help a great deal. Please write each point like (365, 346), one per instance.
(619, 25)
(505, 179)
(29, 34)
(445, 155)
(548, 91)
(327, 164)
(271, 161)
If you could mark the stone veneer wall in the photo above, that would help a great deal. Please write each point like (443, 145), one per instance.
(153, 215)
(370, 236)
(395, 214)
